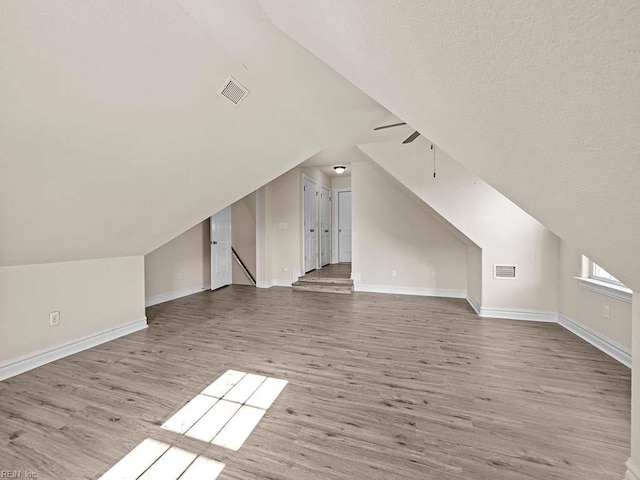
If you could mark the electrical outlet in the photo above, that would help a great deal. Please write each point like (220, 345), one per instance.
(54, 319)
(393, 273)
(285, 269)
(605, 311)
(179, 275)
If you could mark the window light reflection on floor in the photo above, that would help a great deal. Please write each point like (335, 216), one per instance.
(156, 460)
(228, 410)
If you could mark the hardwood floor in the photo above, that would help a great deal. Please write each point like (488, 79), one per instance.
(333, 270)
(380, 387)
(333, 278)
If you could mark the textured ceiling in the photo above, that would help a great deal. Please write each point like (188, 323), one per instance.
(540, 99)
(113, 139)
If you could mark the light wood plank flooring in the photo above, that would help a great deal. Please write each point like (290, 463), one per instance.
(380, 387)
(333, 270)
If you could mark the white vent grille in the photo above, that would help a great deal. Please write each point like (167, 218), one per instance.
(233, 91)
(505, 271)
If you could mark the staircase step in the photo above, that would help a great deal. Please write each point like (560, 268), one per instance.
(323, 287)
(326, 280)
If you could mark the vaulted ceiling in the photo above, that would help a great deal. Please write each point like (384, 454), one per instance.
(113, 139)
(540, 99)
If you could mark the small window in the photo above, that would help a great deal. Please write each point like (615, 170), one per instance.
(598, 273)
(596, 279)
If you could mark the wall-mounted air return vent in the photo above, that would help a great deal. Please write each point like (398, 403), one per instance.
(233, 91)
(505, 271)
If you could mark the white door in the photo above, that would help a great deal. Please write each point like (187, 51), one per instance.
(325, 226)
(310, 193)
(344, 226)
(221, 249)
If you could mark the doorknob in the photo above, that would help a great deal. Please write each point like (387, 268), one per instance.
(340, 230)
(312, 230)
(326, 231)
(214, 242)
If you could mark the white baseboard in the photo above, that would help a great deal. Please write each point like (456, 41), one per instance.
(633, 472)
(285, 283)
(404, 290)
(420, 291)
(517, 314)
(165, 297)
(512, 313)
(28, 362)
(295, 274)
(474, 304)
(611, 348)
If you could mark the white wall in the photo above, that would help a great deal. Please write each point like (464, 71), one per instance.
(180, 267)
(284, 227)
(183, 265)
(263, 242)
(96, 111)
(549, 117)
(243, 237)
(393, 232)
(92, 296)
(506, 233)
(586, 307)
(474, 273)
(281, 226)
(341, 182)
(318, 175)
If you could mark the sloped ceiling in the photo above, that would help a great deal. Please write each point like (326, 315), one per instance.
(113, 139)
(540, 99)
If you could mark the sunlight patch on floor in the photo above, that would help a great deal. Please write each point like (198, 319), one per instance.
(159, 461)
(228, 410)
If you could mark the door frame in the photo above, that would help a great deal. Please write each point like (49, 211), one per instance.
(335, 247)
(302, 229)
(260, 282)
(211, 245)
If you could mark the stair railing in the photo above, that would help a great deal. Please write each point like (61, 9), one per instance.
(243, 266)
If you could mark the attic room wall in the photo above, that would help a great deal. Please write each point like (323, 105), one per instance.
(318, 175)
(586, 307)
(98, 300)
(505, 232)
(283, 227)
(179, 267)
(280, 226)
(392, 232)
(474, 272)
(341, 182)
(263, 244)
(542, 103)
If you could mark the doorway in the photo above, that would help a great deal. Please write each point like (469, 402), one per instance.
(221, 248)
(344, 226)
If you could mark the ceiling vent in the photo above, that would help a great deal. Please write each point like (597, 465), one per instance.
(233, 91)
(505, 271)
